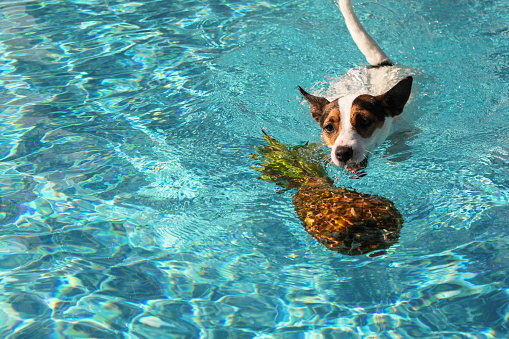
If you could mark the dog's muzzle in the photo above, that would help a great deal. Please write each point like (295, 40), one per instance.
(344, 155)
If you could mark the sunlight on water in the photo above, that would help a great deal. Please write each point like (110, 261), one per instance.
(129, 207)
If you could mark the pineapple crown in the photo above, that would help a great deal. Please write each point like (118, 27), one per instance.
(290, 167)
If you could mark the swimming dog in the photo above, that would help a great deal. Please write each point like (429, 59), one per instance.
(358, 122)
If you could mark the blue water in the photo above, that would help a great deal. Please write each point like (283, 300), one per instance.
(128, 207)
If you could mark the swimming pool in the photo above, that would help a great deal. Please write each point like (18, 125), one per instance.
(129, 208)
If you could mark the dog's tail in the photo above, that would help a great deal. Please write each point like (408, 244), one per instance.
(373, 53)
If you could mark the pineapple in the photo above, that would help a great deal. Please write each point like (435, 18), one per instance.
(341, 219)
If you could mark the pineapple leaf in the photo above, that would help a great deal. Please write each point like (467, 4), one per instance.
(289, 167)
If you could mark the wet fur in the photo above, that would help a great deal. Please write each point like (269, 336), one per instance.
(357, 122)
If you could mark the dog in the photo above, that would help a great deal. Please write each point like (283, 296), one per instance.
(356, 123)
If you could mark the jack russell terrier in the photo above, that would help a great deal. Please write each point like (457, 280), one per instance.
(357, 122)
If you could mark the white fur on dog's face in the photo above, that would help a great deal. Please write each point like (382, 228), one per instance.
(349, 135)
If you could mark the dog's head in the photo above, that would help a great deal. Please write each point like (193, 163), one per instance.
(354, 125)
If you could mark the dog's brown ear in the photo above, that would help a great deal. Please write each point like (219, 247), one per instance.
(395, 99)
(316, 104)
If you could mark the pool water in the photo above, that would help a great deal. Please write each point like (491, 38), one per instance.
(129, 209)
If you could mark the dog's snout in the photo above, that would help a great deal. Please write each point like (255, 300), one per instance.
(344, 153)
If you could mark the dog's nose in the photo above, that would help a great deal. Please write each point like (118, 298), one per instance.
(344, 153)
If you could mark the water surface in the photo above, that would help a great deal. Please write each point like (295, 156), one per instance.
(128, 207)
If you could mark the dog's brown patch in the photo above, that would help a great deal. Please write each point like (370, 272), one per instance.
(331, 117)
(366, 115)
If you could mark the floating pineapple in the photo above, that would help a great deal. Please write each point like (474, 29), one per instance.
(341, 219)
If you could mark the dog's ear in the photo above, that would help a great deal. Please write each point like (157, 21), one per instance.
(395, 99)
(316, 104)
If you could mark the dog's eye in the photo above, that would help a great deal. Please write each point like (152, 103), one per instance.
(364, 122)
(329, 128)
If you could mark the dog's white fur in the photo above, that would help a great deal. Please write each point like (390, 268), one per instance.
(373, 53)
